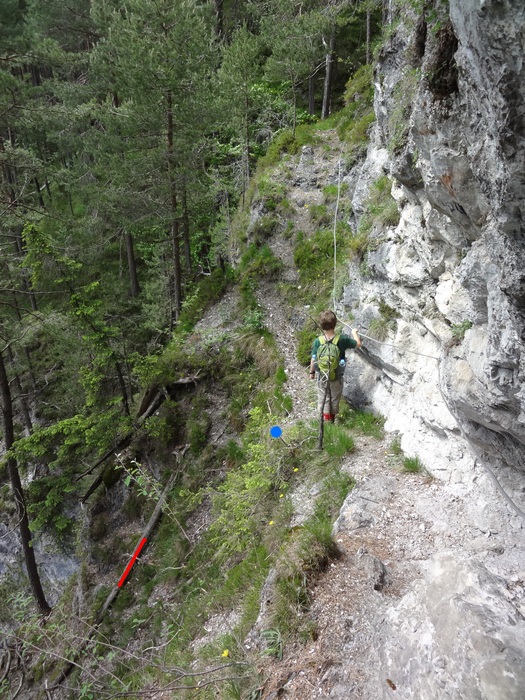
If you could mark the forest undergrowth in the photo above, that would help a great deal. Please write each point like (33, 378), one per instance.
(195, 410)
(182, 619)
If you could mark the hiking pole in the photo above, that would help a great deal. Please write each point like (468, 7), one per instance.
(321, 415)
(321, 425)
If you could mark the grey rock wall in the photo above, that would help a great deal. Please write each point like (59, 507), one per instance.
(450, 132)
(448, 283)
(454, 636)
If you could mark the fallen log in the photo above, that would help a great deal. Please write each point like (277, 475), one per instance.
(152, 522)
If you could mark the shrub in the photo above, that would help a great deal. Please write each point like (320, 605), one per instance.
(459, 330)
(259, 261)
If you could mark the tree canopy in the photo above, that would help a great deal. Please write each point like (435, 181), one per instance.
(128, 134)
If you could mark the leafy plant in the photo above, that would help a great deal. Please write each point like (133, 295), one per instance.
(459, 330)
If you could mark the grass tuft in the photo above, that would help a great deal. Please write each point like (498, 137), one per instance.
(412, 465)
(362, 421)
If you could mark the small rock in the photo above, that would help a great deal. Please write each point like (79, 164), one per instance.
(374, 569)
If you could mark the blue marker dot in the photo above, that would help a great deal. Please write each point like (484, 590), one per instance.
(276, 431)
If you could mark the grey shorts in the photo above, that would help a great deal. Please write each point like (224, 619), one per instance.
(333, 391)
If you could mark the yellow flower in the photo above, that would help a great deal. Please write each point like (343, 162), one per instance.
(226, 653)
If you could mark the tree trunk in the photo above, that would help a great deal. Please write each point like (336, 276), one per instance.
(311, 94)
(175, 237)
(329, 74)
(8, 177)
(122, 385)
(177, 287)
(368, 36)
(385, 9)
(134, 287)
(219, 18)
(21, 395)
(39, 193)
(186, 230)
(16, 484)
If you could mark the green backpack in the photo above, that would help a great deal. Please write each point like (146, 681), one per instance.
(328, 357)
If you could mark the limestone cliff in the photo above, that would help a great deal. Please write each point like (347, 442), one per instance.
(449, 101)
(448, 282)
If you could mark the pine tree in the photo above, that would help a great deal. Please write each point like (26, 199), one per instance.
(157, 57)
(18, 492)
(239, 72)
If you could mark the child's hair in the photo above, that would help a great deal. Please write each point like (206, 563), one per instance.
(327, 320)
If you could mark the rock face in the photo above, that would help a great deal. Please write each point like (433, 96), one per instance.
(449, 280)
(444, 293)
(453, 636)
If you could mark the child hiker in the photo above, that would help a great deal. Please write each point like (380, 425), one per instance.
(328, 363)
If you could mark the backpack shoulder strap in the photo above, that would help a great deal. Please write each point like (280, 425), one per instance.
(323, 340)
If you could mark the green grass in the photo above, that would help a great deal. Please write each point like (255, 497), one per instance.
(380, 211)
(362, 421)
(353, 121)
(412, 465)
(314, 259)
(259, 261)
(379, 328)
(337, 441)
(310, 548)
(395, 447)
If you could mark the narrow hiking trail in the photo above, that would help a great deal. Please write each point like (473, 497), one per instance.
(402, 537)
(392, 529)
(390, 526)
(341, 597)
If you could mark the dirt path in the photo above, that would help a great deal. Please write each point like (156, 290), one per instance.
(391, 529)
